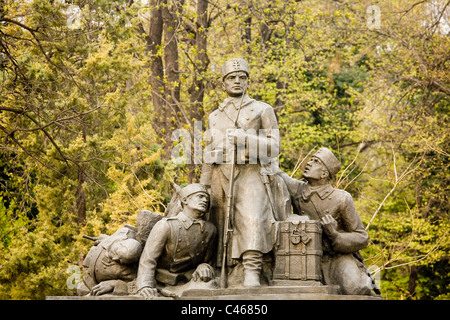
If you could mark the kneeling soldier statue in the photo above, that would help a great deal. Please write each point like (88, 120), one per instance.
(344, 233)
(179, 248)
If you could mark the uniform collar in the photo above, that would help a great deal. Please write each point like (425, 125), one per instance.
(187, 221)
(322, 191)
(235, 102)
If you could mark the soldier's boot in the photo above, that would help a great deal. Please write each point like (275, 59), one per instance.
(251, 279)
(252, 262)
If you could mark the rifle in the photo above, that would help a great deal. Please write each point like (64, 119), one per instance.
(227, 228)
(90, 238)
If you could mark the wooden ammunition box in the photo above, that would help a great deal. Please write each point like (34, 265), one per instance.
(298, 250)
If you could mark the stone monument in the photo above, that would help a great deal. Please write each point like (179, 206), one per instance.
(247, 230)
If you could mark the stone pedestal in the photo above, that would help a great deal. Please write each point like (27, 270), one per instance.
(277, 290)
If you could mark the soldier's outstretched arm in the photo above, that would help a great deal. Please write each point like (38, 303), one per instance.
(152, 251)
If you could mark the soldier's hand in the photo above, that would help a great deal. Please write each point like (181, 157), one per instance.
(148, 292)
(204, 272)
(103, 287)
(329, 225)
(236, 135)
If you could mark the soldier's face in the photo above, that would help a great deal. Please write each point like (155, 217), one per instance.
(198, 202)
(235, 83)
(315, 169)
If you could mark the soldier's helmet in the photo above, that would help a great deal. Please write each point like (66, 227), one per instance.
(191, 189)
(329, 160)
(233, 65)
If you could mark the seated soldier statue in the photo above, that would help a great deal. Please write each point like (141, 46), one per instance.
(179, 248)
(344, 233)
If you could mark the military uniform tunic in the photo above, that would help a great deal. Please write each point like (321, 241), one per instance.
(176, 244)
(326, 200)
(253, 215)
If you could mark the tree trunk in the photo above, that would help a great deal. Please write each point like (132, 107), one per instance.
(80, 199)
(172, 75)
(247, 35)
(197, 89)
(153, 46)
(413, 275)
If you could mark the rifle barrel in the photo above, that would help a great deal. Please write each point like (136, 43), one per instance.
(90, 238)
(226, 227)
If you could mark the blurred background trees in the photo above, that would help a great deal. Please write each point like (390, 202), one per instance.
(93, 92)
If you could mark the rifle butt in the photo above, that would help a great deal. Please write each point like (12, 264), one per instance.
(223, 270)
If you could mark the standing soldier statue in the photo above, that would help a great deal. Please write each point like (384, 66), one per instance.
(240, 197)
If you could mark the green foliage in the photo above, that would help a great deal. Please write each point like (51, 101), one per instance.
(90, 155)
(32, 268)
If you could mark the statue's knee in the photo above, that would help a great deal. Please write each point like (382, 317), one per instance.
(351, 279)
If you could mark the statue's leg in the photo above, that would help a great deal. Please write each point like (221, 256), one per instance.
(252, 262)
(345, 272)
